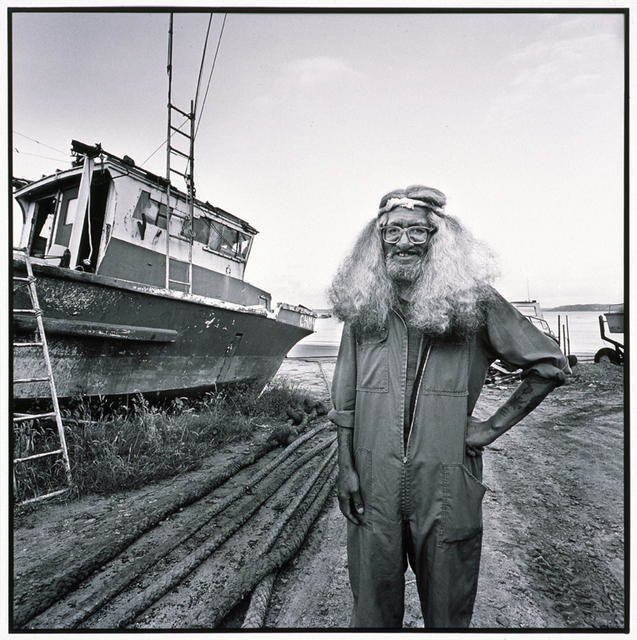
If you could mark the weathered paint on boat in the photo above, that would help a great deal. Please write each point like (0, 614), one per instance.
(109, 337)
(117, 320)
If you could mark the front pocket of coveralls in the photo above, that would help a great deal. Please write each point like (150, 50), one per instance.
(372, 366)
(462, 495)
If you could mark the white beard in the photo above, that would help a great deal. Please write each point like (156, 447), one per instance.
(403, 272)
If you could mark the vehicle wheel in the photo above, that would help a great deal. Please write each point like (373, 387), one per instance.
(572, 360)
(607, 355)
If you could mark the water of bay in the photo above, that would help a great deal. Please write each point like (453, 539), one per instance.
(583, 328)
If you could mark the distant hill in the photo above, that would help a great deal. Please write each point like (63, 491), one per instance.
(580, 307)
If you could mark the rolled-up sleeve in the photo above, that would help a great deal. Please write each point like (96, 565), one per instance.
(513, 339)
(344, 382)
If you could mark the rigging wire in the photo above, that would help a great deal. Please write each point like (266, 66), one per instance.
(163, 143)
(203, 58)
(196, 95)
(66, 153)
(223, 24)
(37, 155)
(198, 86)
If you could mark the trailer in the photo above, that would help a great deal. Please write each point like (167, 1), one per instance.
(614, 318)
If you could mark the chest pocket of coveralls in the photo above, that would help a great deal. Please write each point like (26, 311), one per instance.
(372, 366)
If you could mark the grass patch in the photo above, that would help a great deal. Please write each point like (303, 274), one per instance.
(125, 445)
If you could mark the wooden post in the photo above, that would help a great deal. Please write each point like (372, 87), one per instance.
(564, 339)
(83, 200)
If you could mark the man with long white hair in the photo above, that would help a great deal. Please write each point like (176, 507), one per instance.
(422, 325)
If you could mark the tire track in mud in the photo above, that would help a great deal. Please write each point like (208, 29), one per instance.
(194, 556)
(557, 491)
(553, 527)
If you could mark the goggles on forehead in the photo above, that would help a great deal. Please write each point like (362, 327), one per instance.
(410, 203)
(418, 234)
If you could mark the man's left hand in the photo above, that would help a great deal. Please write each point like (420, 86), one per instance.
(479, 434)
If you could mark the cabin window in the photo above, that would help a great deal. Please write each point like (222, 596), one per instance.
(161, 217)
(153, 210)
(42, 226)
(68, 211)
(243, 244)
(71, 208)
(228, 241)
(186, 230)
(201, 229)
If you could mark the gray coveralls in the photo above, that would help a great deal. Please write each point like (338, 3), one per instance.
(423, 500)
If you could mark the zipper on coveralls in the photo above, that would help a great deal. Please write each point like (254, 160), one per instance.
(422, 374)
(404, 502)
(405, 376)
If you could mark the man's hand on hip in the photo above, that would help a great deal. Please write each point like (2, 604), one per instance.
(349, 495)
(530, 392)
(479, 434)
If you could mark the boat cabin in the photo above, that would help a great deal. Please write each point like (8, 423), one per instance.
(125, 234)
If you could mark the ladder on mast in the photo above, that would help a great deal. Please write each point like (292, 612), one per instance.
(39, 341)
(172, 152)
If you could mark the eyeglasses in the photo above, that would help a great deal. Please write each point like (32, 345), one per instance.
(417, 235)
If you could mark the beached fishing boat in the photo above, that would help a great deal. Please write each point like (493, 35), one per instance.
(141, 286)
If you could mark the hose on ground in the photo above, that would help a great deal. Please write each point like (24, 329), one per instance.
(310, 483)
(62, 584)
(176, 574)
(37, 592)
(272, 556)
(73, 613)
(255, 615)
(327, 384)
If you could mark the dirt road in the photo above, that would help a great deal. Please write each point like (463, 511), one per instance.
(552, 552)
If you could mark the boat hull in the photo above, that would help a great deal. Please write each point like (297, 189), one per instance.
(112, 337)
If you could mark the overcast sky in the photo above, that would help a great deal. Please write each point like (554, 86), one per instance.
(310, 118)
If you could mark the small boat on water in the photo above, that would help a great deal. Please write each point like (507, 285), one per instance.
(532, 311)
(141, 287)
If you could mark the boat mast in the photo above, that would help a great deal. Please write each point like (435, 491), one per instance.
(187, 231)
(169, 69)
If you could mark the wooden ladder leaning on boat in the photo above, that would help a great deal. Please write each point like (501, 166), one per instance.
(40, 341)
